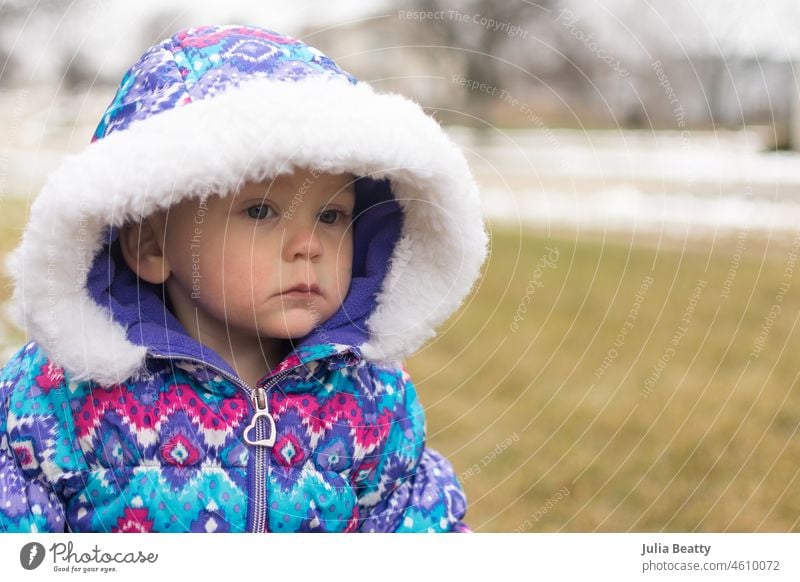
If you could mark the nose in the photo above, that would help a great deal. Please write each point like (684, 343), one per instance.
(302, 241)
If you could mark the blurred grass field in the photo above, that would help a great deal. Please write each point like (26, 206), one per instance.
(542, 444)
(711, 446)
(13, 217)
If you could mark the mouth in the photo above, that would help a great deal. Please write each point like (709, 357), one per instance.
(302, 290)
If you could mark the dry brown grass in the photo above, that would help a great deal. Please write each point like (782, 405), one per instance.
(713, 446)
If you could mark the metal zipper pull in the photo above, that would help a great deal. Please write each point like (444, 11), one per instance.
(262, 411)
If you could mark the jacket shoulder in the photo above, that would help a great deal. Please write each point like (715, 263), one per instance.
(23, 368)
(32, 387)
(387, 376)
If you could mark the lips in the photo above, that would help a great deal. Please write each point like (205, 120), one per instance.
(303, 288)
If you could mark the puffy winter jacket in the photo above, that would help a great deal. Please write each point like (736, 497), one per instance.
(113, 418)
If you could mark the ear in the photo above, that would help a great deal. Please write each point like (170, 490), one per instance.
(142, 247)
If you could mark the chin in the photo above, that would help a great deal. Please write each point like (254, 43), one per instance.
(294, 327)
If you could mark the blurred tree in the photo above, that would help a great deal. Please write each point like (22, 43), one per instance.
(480, 43)
(18, 15)
(15, 8)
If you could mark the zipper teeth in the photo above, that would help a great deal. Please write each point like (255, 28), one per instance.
(261, 456)
(262, 465)
(241, 383)
(260, 507)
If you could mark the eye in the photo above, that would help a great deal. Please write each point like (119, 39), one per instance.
(258, 212)
(330, 216)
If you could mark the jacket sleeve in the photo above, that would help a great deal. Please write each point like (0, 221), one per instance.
(404, 486)
(27, 426)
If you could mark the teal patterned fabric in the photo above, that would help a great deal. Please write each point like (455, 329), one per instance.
(166, 454)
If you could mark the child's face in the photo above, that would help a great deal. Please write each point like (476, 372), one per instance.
(234, 258)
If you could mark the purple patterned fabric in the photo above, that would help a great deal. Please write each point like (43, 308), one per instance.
(201, 62)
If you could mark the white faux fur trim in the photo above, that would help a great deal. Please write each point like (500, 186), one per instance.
(249, 133)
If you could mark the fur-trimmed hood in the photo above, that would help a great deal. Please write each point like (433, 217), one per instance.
(204, 111)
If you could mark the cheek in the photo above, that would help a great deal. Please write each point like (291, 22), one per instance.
(344, 261)
(232, 282)
(244, 269)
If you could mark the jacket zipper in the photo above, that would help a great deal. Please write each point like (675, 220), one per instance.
(262, 449)
(259, 399)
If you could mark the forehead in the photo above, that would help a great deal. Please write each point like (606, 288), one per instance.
(321, 185)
